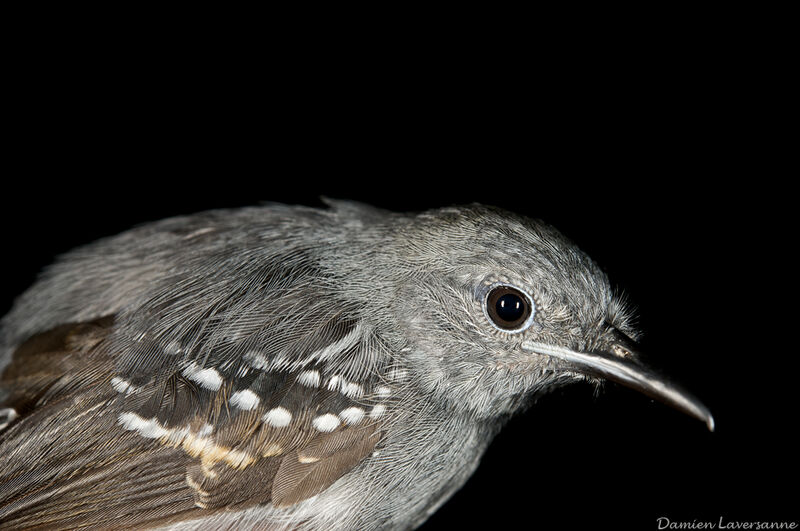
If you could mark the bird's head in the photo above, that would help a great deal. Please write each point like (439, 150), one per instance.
(494, 309)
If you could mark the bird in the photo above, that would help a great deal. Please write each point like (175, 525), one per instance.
(294, 367)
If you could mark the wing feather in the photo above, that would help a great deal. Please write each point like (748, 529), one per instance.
(299, 477)
(214, 388)
(165, 451)
(64, 464)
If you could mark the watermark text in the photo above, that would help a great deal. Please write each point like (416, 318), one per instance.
(665, 523)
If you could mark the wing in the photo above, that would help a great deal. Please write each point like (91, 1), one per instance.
(223, 388)
(62, 453)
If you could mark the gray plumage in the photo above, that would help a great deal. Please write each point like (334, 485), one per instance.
(285, 367)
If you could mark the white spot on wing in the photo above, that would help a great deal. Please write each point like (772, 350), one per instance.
(122, 386)
(207, 378)
(326, 422)
(352, 390)
(309, 378)
(383, 391)
(256, 360)
(149, 428)
(377, 411)
(333, 383)
(7, 415)
(277, 417)
(352, 415)
(245, 399)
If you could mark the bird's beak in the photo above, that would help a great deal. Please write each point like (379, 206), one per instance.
(620, 364)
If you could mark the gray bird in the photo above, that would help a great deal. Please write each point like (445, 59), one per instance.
(286, 367)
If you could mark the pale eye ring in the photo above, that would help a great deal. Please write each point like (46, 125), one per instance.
(508, 308)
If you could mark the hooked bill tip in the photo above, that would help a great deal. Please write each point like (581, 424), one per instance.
(627, 371)
(710, 422)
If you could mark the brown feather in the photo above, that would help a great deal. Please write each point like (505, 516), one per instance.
(328, 444)
(64, 464)
(225, 487)
(67, 461)
(296, 481)
(50, 357)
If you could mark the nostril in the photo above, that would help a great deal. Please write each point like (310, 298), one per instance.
(621, 351)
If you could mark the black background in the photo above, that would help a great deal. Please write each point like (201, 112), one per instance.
(659, 161)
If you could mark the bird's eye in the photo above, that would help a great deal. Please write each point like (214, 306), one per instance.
(509, 308)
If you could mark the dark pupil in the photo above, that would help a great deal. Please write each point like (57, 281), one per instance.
(510, 307)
